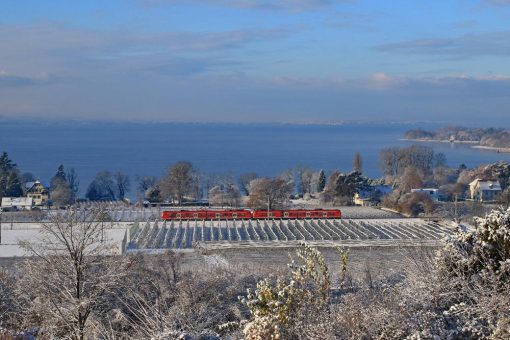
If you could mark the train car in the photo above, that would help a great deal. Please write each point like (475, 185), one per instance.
(206, 215)
(262, 214)
(184, 215)
(297, 214)
(228, 214)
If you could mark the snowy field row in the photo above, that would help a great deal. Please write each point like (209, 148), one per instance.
(186, 234)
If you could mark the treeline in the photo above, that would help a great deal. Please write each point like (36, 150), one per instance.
(184, 183)
(13, 183)
(490, 137)
(420, 167)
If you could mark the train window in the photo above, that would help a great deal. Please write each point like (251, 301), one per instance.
(324, 214)
(195, 215)
(270, 214)
(218, 215)
(234, 215)
(286, 214)
(178, 215)
(308, 214)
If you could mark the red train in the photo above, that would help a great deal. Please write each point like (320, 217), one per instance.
(248, 214)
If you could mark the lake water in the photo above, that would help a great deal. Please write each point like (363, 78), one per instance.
(149, 148)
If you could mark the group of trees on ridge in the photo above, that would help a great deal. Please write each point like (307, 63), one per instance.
(492, 137)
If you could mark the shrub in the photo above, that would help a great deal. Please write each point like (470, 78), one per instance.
(284, 309)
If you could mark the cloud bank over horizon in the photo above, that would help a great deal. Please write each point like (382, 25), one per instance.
(256, 61)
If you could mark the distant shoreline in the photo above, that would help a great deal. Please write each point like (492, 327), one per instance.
(440, 141)
(502, 150)
(475, 146)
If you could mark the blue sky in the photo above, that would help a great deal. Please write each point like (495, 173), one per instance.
(256, 60)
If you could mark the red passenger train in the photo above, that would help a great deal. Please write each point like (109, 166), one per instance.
(248, 214)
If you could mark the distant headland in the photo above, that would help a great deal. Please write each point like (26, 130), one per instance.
(481, 138)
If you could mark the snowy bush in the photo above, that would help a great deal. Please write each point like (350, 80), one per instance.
(474, 269)
(481, 256)
(283, 308)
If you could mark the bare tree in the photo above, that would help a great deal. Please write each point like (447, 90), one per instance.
(394, 161)
(228, 195)
(69, 281)
(61, 194)
(102, 188)
(411, 179)
(304, 176)
(122, 183)
(74, 182)
(269, 193)
(244, 182)
(145, 183)
(181, 180)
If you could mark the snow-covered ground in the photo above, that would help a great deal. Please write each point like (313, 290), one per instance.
(188, 234)
(9, 247)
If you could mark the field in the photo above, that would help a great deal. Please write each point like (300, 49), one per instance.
(376, 239)
(278, 233)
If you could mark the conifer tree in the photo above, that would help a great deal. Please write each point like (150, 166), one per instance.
(10, 178)
(322, 181)
(358, 163)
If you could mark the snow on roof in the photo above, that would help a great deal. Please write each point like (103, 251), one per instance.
(488, 185)
(29, 185)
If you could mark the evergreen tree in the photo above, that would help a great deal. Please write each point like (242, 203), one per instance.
(59, 178)
(322, 181)
(358, 164)
(10, 178)
(6, 164)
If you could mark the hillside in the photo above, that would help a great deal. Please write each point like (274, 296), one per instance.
(486, 137)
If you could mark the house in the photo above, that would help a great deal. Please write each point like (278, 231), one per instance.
(433, 193)
(485, 190)
(371, 196)
(37, 192)
(16, 203)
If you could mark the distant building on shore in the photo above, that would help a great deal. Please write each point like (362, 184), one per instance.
(372, 196)
(37, 192)
(485, 190)
(433, 193)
